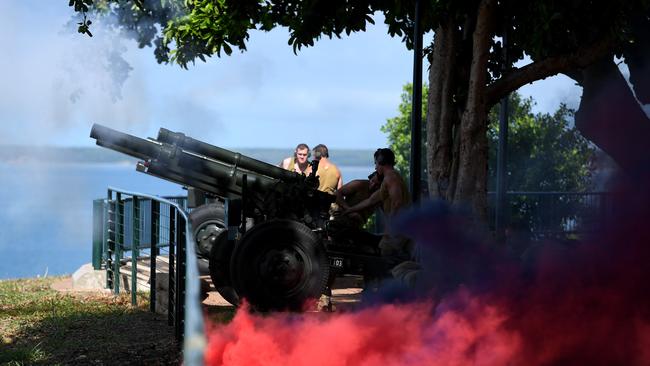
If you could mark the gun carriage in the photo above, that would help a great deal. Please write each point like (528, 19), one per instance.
(263, 230)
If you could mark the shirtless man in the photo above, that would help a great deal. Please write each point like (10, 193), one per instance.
(329, 174)
(298, 162)
(393, 196)
(348, 228)
(354, 192)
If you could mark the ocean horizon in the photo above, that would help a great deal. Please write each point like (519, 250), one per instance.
(46, 221)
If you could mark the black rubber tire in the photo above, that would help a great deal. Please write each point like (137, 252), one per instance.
(206, 221)
(220, 258)
(201, 218)
(279, 265)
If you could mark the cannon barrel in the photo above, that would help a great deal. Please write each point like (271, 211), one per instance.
(227, 156)
(182, 166)
(214, 178)
(124, 143)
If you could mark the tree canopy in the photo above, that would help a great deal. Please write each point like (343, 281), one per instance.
(182, 31)
(561, 33)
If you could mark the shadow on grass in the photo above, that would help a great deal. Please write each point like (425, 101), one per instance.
(133, 337)
(43, 327)
(112, 337)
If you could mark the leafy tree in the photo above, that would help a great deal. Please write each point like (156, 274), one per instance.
(545, 153)
(468, 76)
(468, 72)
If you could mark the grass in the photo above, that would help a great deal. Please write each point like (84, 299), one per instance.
(219, 314)
(23, 356)
(41, 326)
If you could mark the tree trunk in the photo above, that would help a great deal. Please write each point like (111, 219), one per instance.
(457, 142)
(441, 116)
(457, 147)
(472, 171)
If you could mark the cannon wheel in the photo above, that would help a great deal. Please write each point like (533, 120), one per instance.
(211, 236)
(279, 265)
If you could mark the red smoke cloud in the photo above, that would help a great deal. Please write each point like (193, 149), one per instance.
(409, 334)
(581, 304)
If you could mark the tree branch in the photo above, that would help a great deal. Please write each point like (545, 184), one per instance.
(516, 78)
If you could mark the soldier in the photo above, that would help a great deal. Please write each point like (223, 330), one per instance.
(393, 196)
(298, 162)
(349, 227)
(329, 174)
(355, 192)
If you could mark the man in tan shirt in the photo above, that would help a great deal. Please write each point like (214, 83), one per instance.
(392, 196)
(328, 174)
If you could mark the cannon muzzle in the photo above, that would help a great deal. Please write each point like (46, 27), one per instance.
(124, 143)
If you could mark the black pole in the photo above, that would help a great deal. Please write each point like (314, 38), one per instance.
(416, 110)
(501, 207)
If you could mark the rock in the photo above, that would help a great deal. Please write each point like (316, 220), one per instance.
(87, 278)
(162, 282)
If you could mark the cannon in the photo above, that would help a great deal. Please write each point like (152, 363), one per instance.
(263, 230)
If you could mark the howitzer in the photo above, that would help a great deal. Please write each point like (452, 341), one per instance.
(281, 255)
(274, 192)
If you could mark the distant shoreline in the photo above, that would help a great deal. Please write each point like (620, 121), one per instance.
(95, 155)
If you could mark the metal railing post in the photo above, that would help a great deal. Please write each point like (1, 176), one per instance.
(171, 286)
(110, 240)
(119, 242)
(135, 243)
(155, 222)
(180, 277)
(98, 233)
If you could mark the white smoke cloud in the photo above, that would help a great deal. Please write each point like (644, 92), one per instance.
(56, 82)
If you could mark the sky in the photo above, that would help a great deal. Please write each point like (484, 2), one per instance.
(54, 84)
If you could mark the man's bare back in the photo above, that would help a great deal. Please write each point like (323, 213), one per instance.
(393, 196)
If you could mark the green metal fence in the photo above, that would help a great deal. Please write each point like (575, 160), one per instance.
(555, 214)
(128, 226)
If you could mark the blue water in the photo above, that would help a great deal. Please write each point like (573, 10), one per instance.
(46, 211)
